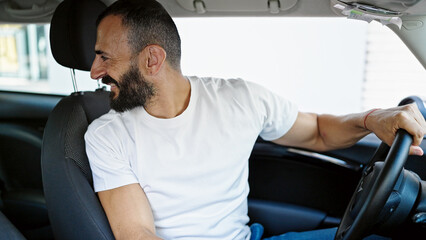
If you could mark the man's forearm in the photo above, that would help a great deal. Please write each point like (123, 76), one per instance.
(324, 132)
(344, 131)
(327, 132)
(340, 131)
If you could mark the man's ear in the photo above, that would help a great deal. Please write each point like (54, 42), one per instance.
(153, 59)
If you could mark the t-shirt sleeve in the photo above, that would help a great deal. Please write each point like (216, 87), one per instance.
(108, 162)
(277, 114)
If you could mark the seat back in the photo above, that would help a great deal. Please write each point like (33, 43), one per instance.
(73, 207)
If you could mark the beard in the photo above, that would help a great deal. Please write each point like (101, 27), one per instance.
(133, 90)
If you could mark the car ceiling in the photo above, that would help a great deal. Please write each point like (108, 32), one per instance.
(40, 11)
(412, 13)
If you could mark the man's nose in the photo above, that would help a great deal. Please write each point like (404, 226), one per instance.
(97, 71)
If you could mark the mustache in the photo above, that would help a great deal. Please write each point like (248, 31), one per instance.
(107, 80)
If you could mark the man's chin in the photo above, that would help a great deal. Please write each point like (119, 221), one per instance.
(120, 106)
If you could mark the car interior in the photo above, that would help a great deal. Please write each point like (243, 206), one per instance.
(46, 184)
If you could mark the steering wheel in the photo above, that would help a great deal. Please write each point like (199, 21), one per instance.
(374, 188)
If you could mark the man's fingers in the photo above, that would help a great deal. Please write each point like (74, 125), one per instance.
(413, 128)
(418, 115)
(407, 117)
(412, 121)
(388, 139)
(416, 150)
(419, 118)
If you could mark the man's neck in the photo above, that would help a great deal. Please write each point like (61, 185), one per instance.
(173, 92)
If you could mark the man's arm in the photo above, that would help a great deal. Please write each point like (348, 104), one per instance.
(128, 212)
(327, 132)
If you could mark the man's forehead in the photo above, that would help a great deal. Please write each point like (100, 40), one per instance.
(111, 33)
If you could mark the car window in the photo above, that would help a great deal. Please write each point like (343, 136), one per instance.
(27, 64)
(329, 65)
(392, 72)
(316, 62)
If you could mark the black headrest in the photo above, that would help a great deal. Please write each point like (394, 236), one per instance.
(73, 32)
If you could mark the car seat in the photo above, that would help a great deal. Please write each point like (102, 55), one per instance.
(73, 207)
(8, 231)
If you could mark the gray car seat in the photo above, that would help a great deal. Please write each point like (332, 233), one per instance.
(73, 207)
(8, 231)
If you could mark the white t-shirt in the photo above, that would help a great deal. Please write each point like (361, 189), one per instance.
(194, 167)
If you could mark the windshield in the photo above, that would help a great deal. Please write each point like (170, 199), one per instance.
(329, 65)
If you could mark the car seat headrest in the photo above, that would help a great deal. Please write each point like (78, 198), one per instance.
(73, 33)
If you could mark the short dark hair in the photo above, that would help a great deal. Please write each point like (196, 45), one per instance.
(148, 23)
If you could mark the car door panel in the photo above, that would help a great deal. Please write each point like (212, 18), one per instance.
(15, 105)
(22, 120)
(287, 180)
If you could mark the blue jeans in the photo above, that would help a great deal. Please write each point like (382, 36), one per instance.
(322, 234)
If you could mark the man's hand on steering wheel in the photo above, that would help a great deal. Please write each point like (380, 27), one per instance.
(385, 123)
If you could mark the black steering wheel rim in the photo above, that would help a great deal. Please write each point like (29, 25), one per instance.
(360, 226)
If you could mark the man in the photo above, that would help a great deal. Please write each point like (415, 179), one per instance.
(171, 159)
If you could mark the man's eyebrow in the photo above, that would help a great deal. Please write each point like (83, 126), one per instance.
(99, 52)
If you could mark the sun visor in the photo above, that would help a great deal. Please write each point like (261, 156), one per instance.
(73, 33)
(222, 6)
(385, 11)
(23, 10)
(400, 7)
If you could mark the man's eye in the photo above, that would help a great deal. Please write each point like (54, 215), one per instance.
(104, 58)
